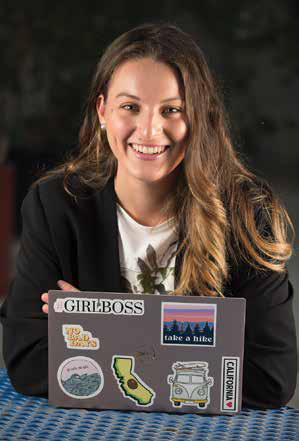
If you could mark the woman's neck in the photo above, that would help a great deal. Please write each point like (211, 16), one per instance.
(143, 201)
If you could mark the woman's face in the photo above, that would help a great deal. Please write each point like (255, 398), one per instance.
(144, 111)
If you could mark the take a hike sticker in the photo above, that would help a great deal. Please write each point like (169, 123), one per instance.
(130, 385)
(188, 324)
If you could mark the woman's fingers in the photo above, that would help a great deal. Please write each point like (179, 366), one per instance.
(65, 286)
(44, 297)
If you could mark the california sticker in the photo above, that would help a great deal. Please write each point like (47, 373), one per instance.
(229, 384)
(185, 324)
(129, 383)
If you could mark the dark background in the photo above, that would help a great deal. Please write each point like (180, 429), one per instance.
(48, 55)
(49, 51)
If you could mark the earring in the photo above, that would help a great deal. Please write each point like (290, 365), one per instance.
(103, 126)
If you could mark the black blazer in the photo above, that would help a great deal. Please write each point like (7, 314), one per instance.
(78, 242)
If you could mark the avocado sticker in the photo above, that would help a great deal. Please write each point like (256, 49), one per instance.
(129, 383)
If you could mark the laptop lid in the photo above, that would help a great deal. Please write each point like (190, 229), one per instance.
(162, 353)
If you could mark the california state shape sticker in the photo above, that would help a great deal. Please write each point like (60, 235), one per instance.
(129, 383)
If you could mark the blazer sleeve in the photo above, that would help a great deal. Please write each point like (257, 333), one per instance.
(25, 326)
(270, 352)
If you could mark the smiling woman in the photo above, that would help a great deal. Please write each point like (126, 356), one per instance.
(148, 140)
(156, 200)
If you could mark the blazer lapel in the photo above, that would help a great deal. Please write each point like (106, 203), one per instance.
(109, 255)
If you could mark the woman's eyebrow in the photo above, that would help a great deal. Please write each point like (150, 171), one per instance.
(137, 98)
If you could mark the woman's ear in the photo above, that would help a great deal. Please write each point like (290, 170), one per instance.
(100, 105)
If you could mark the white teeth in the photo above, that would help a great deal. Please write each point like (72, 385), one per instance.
(148, 150)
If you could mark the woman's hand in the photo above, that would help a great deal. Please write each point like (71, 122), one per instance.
(65, 286)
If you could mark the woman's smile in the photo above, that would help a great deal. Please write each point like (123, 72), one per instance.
(148, 153)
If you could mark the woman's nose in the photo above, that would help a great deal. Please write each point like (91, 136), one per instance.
(150, 125)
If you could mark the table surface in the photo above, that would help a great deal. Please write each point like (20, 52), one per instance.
(31, 418)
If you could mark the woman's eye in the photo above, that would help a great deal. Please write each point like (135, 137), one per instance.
(129, 107)
(173, 108)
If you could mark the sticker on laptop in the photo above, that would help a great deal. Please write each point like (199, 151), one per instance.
(188, 324)
(229, 384)
(190, 384)
(130, 385)
(80, 377)
(76, 338)
(84, 305)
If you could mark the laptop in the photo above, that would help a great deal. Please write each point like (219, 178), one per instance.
(145, 352)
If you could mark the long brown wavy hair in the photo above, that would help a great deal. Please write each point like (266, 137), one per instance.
(224, 213)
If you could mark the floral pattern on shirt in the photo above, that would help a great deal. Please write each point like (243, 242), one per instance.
(153, 272)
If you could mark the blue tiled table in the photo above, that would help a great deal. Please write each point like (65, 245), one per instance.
(29, 418)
